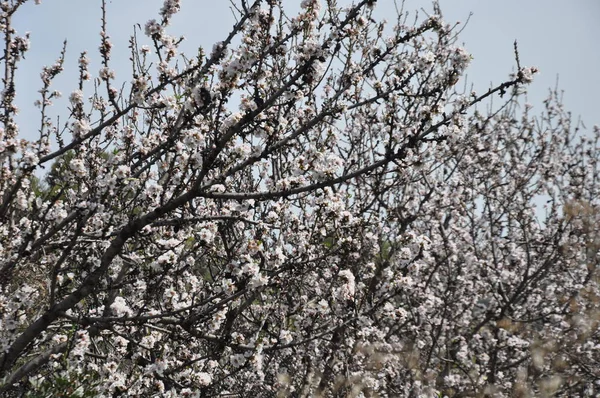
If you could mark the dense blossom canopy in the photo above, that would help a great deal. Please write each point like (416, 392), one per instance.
(313, 207)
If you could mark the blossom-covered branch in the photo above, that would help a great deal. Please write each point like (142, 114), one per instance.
(312, 208)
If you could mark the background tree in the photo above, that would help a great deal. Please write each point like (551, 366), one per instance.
(312, 208)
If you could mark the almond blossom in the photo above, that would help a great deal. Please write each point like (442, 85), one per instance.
(314, 207)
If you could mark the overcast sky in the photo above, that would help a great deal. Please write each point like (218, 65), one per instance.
(559, 37)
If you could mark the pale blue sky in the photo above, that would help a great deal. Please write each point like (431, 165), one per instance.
(559, 37)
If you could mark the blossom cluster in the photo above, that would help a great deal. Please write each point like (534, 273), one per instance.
(314, 208)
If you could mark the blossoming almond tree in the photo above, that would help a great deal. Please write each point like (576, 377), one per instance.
(311, 208)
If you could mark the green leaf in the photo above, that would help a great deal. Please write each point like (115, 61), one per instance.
(329, 242)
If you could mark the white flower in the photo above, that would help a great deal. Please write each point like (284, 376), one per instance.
(285, 336)
(526, 74)
(258, 280)
(206, 235)
(219, 188)
(272, 216)
(228, 286)
(169, 8)
(122, 171)
(106, 73)
(166, 258)
(76, 97)
(37, 380)
(237, 360)
(120, 307)
(231, 121)
(111, 367)
(250, 268)
(323, 306)
(428, 57)
(204, 378)
(159, 367)
(78, 167)
(346, 292)
(30, 158)
(461, 58)
(152, 28)
(60, 338)
(81, 127)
